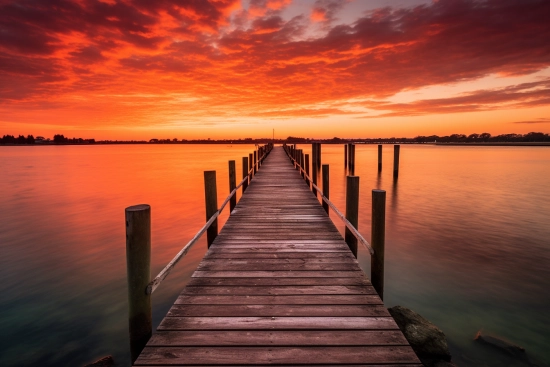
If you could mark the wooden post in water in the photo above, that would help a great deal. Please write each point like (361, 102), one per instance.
(245, 173)
(138, 267)
(313, 154)
(318, 155)
(255, 165)
(250, 174)
(307, 169)
(378, 239)
(379, 157)
(345, 156)
(232, 185)
(302, 162)
(326, 188)
(211, 199)
(395, 161)
(352, 211)
(314, 171)
(352, 159)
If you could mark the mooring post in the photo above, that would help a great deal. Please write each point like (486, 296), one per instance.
(352, 211)
(255, 162)
(307, 169)
(314, 171)
(318, 162)
(232, 185)
(326, 188)
(352, 159)
(345, 156)
(395, 161)
(138, 267)
(303, 162)
(379, 157)
(211, 199)
(245, 174)
(313, 155)
(250, 164)
(378, 238)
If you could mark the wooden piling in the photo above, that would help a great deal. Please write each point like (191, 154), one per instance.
(232, 185)
(395, 161)
(138, 267)
(326, 185)
(307, 169)
(313, 155)
(211, 199)
(250, 164)
(255, 164)
(314, 171)
(378, 240)
(345, 156)
(352, 159)
(352, 211)
(318, 156)
(379, 157)
(245, 173)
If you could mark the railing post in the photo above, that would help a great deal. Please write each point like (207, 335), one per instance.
(326, 186)
(232, 185)
(378, 240)
(211, 198)
(245, 173)
(395, 161)
(352, 159)
(302, 162)
(352, 211)
(307, 169)
(314, 171)
(255, 162)
(379, 157)
(138, 267)
(345, 156)
(250, 164)
(318, 161)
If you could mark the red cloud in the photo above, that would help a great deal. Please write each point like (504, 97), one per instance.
(259, 61)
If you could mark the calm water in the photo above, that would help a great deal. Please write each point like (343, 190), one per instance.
(468, 240)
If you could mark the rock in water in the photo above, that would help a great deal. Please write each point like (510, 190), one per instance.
(511, 349)
(103, 362)
(427, 340)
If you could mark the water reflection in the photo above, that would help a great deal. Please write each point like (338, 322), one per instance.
(467, 239)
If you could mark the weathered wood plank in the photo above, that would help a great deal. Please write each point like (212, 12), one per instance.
(277, 323)
(308, 299)
(277, 310)
(276, 338)
(276, 274)
(277, 291)
(271, 281)
(277, 355)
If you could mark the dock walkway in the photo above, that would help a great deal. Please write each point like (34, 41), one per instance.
(279, 286)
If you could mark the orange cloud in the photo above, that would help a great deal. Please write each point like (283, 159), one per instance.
(163, 63)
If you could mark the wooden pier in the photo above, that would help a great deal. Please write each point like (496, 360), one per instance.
(278, 286)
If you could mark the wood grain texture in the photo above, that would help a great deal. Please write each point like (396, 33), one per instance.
(278, 286)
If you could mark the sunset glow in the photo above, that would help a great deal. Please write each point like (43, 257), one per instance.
(236, 69)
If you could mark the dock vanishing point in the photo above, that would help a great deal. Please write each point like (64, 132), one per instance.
(278, 286)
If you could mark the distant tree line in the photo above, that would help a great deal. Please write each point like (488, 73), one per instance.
(454, 138)
(30, 139)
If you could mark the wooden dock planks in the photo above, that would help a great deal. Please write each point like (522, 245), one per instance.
(278, 286)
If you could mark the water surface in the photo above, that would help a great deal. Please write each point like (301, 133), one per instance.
(468, 240)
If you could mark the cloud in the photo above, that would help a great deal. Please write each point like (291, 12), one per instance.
(541, 120)
(253, 61)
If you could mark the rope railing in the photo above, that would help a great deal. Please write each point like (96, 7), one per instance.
(152, 286)
(350, 226)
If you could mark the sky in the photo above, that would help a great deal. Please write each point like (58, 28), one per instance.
(229, 69)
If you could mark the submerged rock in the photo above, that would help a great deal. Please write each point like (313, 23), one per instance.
(427, 340)
(103, 362)
(504, 346)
